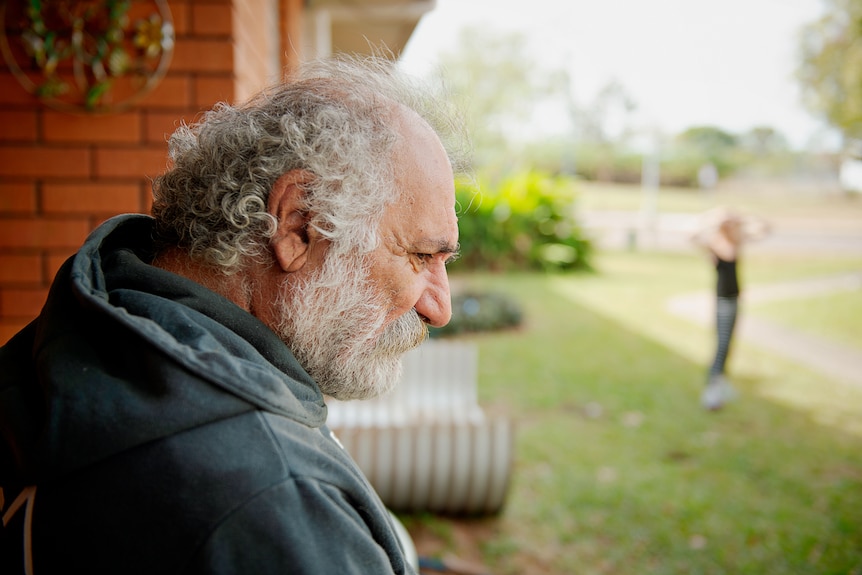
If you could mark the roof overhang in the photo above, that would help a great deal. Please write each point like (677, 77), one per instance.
(362, 26)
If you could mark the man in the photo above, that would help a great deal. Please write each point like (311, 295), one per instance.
(165, 413)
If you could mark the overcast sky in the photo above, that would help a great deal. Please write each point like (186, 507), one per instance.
(727, 63)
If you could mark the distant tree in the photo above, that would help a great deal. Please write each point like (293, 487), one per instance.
(608, 119)
(764, 141)
(496, 82)
(702, 145)
(830, 71)
(711, 142)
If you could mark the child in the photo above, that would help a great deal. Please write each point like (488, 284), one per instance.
(722, 236)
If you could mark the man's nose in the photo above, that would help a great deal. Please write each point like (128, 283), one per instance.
(435, 303)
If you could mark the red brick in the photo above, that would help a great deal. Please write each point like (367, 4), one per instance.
(159, 126)
(141, 11)
(17, 198)
(55, 260)
(121, 97)
(192, 55)
(85, 198)
(97, 219)
(9, 327)
(180, 15)
(171, 92)
(212, 89)
(18, 269)
(41, 233)
(113, 128)
(18, 125)
(212, 19)
(22, 302)
(44, 162)
(147, 198)
(12, 92)
(131, 163)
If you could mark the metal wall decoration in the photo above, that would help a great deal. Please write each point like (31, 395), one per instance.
(91, 56)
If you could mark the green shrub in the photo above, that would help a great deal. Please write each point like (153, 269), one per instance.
(479, 311)
(524, 222)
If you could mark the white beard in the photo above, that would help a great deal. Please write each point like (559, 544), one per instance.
(333, 325)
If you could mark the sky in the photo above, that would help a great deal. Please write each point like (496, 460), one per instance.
(723, 63)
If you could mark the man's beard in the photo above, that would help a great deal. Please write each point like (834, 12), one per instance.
(333, 325)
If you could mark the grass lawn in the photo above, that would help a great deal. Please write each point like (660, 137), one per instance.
(619, 470)
(834, 316)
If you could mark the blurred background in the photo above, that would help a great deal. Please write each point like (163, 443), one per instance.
(602, 132)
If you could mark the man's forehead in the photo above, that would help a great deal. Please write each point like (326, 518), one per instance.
(427, 226)
(423, 217)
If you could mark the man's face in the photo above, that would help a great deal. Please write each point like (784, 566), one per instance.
(350, 321)
(419, 232)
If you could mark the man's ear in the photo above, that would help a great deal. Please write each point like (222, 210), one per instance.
(285, 203)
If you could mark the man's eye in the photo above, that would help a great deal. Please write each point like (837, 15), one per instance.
(445, 258)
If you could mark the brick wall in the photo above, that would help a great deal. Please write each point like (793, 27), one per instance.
(62, 174)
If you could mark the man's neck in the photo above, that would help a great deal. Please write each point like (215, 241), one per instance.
(231, 287)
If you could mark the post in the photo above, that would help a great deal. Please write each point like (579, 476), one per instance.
(650, 180)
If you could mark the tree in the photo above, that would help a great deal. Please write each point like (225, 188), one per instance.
(708, 145)
(764, 141)
(830, 71)
(495, 80)
(608, 120)
(710, 141)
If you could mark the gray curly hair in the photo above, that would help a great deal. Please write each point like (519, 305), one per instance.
(332, 119)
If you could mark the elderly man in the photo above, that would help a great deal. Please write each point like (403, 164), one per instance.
(165, 412)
